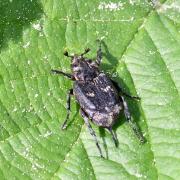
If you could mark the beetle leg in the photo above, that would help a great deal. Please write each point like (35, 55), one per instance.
(99, 54)
(92, 132)
(128, 95)
(132, 124)
(68, 107)
(70, 76)
(113, 136)
(123, 92)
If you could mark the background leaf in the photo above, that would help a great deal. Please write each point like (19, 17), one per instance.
(141, 51)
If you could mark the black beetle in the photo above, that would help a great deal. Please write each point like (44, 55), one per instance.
(99, 97)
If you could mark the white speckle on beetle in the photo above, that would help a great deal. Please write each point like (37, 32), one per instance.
(36, 95)
(77, 68)
(107, 109)
(107, 88)
(91, 94)
(117, 108)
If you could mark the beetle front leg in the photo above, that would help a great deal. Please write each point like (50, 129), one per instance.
(70, 76)
(123, 92)
(132, 124)
(99, 54)
(68, 107)
(92, 132)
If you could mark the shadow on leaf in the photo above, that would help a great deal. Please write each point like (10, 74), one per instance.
(132, 104)
(16, 15)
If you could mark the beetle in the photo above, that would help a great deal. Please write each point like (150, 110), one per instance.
(101, 99)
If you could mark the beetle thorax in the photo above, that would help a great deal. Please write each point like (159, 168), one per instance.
(84, 69)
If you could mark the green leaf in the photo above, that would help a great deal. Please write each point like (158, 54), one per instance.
(141, 50)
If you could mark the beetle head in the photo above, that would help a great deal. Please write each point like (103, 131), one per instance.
(83, 69)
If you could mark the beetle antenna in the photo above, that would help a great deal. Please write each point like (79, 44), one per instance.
(67, 54)
(85, 52)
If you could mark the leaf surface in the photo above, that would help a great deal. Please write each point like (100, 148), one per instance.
(141, 51)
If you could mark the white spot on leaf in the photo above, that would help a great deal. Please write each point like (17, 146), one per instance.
(26, 45)
(111, 6)
(37, 27)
